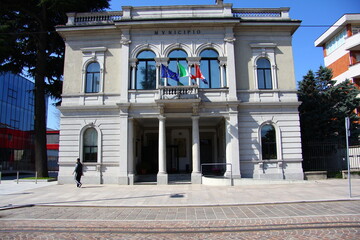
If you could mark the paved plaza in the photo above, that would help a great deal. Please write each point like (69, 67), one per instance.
(254, 210)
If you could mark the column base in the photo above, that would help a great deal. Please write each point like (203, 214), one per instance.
(162, 179)
(131, 179)
(196, 178)
(123, 180)
(228, 175)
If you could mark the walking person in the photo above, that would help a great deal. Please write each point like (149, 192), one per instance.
(78, 172)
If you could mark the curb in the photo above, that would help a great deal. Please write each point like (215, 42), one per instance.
(10, 206)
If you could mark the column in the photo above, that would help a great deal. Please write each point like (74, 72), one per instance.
(231, 72)
(158, 65)
(222, 76)
(124, 65)
(222, 62)
(131, 139)
(123, 145)
(189, 71)
(232, 143)
(133, 64)
(162, 176)
(196, 174)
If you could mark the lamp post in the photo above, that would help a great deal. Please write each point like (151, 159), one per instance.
(347, 133)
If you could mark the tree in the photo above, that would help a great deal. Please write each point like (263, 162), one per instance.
(325, 105)
(29, 43)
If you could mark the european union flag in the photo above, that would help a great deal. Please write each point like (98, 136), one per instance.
(167, 73)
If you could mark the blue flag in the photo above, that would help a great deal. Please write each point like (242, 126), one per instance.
(167, 73)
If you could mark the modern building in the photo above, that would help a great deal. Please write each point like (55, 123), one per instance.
(52, 146)
(130, 106)
(341, 47)
(16, 122)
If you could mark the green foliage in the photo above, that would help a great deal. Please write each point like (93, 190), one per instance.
(325, 105)
(29, 44)
(28, 26)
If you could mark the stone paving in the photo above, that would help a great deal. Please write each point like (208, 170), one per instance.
(235, 212)
(176, 195)
(340, 227)
(311, 220)
(300, 210)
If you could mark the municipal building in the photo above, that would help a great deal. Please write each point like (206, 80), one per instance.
(188, 90)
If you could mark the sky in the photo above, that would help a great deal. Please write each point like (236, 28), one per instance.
(316, 17)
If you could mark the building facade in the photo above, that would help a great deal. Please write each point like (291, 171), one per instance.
(172, 89)
(16, 123)
(341, 47)
(52, 147)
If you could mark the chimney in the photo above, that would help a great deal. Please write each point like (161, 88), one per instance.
(219, 2)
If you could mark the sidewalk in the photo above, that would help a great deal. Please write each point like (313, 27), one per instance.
(250, 192)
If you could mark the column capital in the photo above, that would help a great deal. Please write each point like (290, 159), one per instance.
(161, 118)
(163, 61)
(197, 117)
(195, 109)
(161, 109)
(193, 60)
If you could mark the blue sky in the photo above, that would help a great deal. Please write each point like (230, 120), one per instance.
(313, 13)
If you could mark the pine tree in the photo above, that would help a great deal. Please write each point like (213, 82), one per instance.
(29, 42)
(324, 106)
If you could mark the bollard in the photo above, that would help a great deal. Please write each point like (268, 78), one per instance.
(17, 177)
(36, 177)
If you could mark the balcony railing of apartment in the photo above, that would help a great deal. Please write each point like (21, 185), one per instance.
(277, 13)
(179, 92)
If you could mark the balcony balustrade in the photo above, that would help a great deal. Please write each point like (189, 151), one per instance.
(96, 18)
(353, 43)
(273, 13)
(93, 18)
(179, 92)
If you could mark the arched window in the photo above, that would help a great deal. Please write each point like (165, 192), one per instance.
(146, 71)
(268, 142)
(264, 78)
(92, 82)
(90, 145)
(178, 57)
(210, 68)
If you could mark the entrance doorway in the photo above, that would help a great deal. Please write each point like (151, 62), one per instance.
(179, 155)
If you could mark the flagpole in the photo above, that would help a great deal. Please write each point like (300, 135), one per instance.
(189, 77)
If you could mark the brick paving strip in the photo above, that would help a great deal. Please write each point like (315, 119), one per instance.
(339, 227)
(252, 211)
(317, 220)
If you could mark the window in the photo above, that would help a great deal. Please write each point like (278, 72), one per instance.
(90, 148)
(336, 42)
(355, 29)
(146, 71)
(264, 78)
(209, 66)
(178, 57)
(92, 78)
(268, 142)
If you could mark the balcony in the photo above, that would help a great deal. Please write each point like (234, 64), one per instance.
(170, 12)
(352, 43)
(93, 18)
(261, 13)
(178, 92)
(354, 70)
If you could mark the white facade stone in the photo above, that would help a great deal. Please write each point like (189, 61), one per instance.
(166, 130)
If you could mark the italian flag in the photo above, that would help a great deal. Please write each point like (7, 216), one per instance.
(182, 71)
